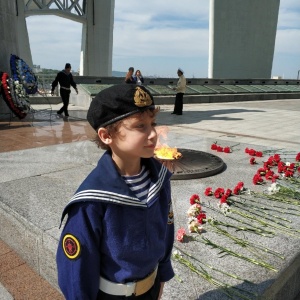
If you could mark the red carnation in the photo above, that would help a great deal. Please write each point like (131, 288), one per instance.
(228, 193)
(240, 184)
(259, 154)
(219, 192)
(277, 158)
(236, 190)
(269, 175)
(227, 149)
(223, 199)
(262, 171)
(201, 218)
(275, 177)
(252, 152)
(281, 168)
(257, 179)
(208, 191)
(289, 174)
(194, 199)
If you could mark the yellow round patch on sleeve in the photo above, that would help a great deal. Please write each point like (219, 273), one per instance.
(71, 246)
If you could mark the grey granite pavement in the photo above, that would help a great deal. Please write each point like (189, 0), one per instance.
(4, 294)
(36, 184)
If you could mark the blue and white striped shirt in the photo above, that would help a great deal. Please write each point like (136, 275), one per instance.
(139, 184)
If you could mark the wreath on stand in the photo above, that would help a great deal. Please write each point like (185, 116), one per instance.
(15, 90)
(15, 96)
(21, 72)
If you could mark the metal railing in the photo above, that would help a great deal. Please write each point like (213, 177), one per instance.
(44, 83)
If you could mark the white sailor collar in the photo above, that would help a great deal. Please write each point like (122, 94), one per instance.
(105, 184)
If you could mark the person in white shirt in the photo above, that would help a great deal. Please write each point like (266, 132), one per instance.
(180, 90)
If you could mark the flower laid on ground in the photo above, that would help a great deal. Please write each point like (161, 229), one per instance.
(208, 191)
(253, 152)
(194, 199)
(268, 171)
(247, 212)
(257, 179)
(222, 194)
(252, 161)
(230, 252)
(196, 216)
(180, 235)
(194, 210)
(224, 207)
(201, 218)
(219, 192)
(239, 188)
(194, 225)
(186, 259)
(273, 189)
(219, 148)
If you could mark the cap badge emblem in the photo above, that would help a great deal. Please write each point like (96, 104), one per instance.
(142, 98)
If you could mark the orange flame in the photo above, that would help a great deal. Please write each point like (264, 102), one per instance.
(163, 151)
(167, 153)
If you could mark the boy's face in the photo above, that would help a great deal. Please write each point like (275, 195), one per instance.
(136, 137)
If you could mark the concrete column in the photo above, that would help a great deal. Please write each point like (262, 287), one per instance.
(242, 38)
(97, 39)
(8, 41)
(8, 33)
(22, 35)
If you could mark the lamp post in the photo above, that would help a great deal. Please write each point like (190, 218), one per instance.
(298, 74)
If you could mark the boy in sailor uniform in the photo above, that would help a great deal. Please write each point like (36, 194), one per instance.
(118, 238)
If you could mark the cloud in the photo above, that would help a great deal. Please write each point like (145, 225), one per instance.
(161, 42)
(54, 41)
(157, 36)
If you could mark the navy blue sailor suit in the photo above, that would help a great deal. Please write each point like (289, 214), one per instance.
(111, 233)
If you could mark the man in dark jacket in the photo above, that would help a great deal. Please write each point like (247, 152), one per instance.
(65, 80)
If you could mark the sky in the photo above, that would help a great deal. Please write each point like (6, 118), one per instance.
(157, 37)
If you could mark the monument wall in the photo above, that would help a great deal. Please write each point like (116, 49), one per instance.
(242, 38)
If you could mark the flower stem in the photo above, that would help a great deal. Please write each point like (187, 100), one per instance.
(242, 201)
(260, 210)
(230, 252)
(212, 268)
(243, 243)
(225, 288)
(279, 225)
(252, 229)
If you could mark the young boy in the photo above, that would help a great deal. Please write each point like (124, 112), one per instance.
(119, 234)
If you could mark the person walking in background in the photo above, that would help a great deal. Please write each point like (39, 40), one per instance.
(129, 76)
(118, 238)
(138, 77)
(65, 80)
(180, 90)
